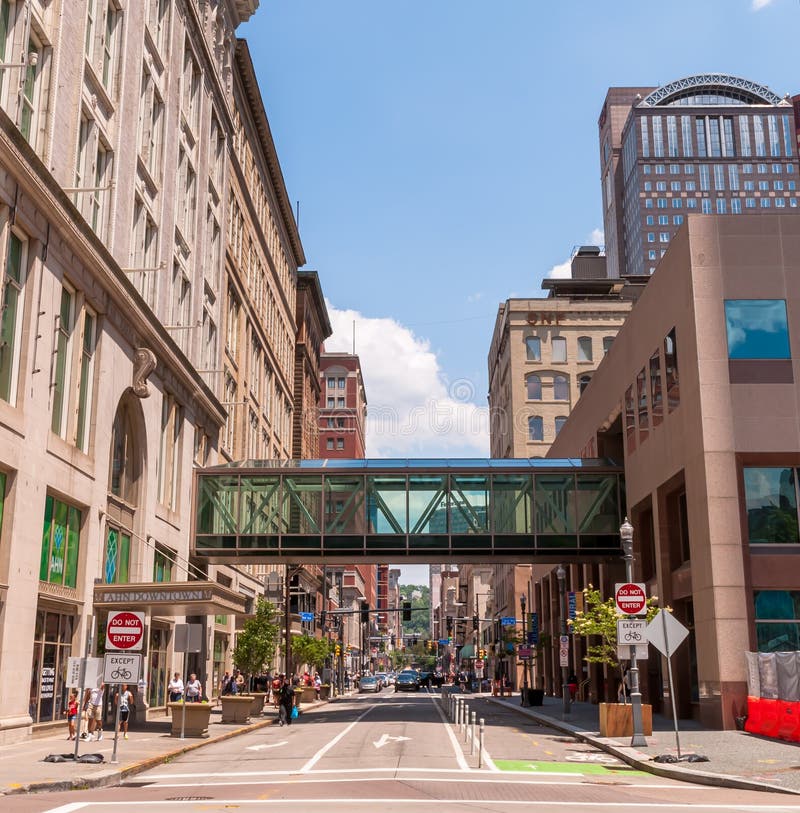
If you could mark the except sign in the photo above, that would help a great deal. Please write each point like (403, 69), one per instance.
(631, 632)
(631, 598)
(121, 667)
(125, 630)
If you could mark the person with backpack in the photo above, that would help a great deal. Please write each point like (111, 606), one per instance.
(286, 701)
(125, 700)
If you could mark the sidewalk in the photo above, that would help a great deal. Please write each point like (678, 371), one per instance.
(22, 769)
(736, 759)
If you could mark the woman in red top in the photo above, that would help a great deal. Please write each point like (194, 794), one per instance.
(72, 714)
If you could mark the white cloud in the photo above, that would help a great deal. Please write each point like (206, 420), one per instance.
(413, 410)
(564, 270)
(476, 297)
(759, 4)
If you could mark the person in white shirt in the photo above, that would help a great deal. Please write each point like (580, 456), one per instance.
(194, 689)
(125, 700)
(175, 689)
(93, 704)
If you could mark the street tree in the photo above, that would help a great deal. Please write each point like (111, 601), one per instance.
(258, 640)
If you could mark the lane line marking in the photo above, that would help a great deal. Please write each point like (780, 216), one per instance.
(453, 739)
(324, 750)
(69, 808)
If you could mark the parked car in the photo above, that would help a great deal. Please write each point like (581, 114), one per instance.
(369, 683)
(383, 678)
(407, 681)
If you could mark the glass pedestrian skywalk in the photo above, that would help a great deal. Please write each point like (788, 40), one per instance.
(418, 510)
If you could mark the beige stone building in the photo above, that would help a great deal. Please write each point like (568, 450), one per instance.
(119, 250)
(699, 397)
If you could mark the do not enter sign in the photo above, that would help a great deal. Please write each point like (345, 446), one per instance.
(631, 598)
(125, 630)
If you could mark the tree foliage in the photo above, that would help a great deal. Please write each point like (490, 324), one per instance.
(598, 623)
(258, 640)
(310, 650)
(420, 618)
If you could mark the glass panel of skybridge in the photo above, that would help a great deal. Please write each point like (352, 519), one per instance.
(386, 504)
(260, 505)
(344, 505)
(217, 504)
(427, 504)
(511, 503)
(598, 504)
(554, 503)
(469, 504)
(302, 504)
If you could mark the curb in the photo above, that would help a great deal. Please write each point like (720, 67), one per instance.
(637, 759)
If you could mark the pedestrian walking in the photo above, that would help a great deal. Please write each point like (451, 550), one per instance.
(277, 683)
(125, 701)
(72, 714)
(194, 689)
(93, 704)
(572, 685)
(286, 702)
(175, 688)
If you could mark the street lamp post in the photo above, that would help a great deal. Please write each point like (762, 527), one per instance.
(638, 739)
(524, 701)
(561, 575)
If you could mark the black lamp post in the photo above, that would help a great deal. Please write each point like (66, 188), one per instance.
(638, 739)
(561, 575)
(524, 701)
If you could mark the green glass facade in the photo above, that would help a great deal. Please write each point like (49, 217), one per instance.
(60, 543)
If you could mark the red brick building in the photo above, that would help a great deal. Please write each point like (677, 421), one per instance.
(342, 406)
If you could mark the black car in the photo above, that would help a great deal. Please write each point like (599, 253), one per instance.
(407, 681)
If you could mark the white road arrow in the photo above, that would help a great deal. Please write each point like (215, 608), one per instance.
(386, 738)
(265, 745)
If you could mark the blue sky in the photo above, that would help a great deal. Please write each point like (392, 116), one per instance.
(445, 158)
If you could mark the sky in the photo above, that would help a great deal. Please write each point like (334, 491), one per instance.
(444, 157)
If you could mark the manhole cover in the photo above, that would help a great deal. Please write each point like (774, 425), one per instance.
(189, 798)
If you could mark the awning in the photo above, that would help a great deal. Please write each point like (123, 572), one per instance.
(172, 598)
(466, 651)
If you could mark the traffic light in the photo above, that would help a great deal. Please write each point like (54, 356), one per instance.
(481, 653)
(364, 612)
(429, 645)
(338, 650)
(323, 617)
(406, 611)
(475, 622)
(449, 624)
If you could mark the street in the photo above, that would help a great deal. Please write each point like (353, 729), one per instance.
(393, 752)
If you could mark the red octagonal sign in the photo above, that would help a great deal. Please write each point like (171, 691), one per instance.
(631, 598)
(125, 630)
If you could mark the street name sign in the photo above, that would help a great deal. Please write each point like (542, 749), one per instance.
(306, 617)
(508, 621)
(630, 598)
(125, 630)
(631, 632)
(122, 667)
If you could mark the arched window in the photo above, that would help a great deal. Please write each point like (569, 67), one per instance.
(560, 421)
(534, 387)
(124, 474)
(584, 348)
(533, 348)
(607, 342)
(583, 382)
(559, 349)
(560, 388)
(535, 428)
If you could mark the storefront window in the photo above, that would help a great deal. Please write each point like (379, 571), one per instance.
(60, 543)
(157, 667)
(51, 648)
(771, 503)
(117, 556)
(220, 646)
(777, 620)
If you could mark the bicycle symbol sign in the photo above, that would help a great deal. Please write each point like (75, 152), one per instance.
(631, 633)
(121, 667)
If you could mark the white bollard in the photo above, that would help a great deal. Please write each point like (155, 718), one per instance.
(480, 743)
(472, 734)
(466, 721)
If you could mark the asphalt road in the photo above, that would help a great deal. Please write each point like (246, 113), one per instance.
(395, 752)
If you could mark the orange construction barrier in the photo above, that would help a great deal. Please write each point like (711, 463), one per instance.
(754, 715)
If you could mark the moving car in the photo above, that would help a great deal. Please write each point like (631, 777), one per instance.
(407, 681)
(369, 683)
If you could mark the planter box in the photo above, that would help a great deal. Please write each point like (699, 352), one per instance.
(258, 703)
(324, 692)
(307, 694)
(236, 708)
(197, 717)
(616, 720)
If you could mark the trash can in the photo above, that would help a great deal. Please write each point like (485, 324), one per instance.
(533, 697)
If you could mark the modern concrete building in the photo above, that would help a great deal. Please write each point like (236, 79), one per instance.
(699, 397)
(704, 144)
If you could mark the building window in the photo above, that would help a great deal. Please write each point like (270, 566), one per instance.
(341, 383)
(533, 348)
(630, 420)
(60, 543)
(331, 383)
(584, 348)
(559, 349)
(777, 617)
(331, 403)
(560, 388)
(770, 495)
(583, 382)
(671, 370)
(607, 342)
(116, 561)
(535, 428)
(329, 444)
(757, 329)
(63, 359)
(533, 385)
(191, 89)
(52, 647)
(158, 21)
(31, 91)
(232, 335)
(168, 459)
(641, 400)
(13, 282)
(340, 403)
(656, 396)
(559, 423)
(340, 443)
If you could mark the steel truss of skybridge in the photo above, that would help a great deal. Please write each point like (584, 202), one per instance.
(436, 510)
